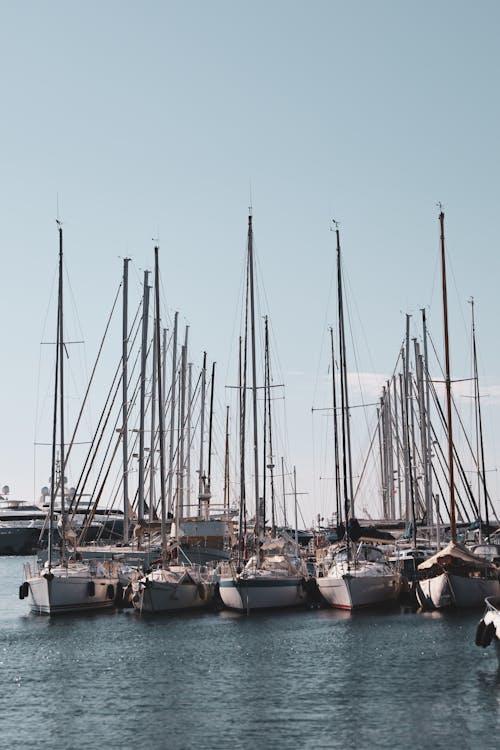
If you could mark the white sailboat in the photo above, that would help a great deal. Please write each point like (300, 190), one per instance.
(363, 579)
(278, 579)
(352, 577)
(274, 576)
(454, 576)
(68, 584)
(169, 587)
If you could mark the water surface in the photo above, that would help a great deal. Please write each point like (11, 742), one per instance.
(298, 679)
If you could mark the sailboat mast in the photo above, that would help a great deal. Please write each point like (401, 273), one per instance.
(172, 416)
(226, 469)
(453, 525)
(188, 430)
(428, 479)
(210, 430)
(296, 511)
(270, 463)
(242, 362)
(408, 414)
(201, 481)
(343, 398)
(285, 520)
(144, 346)
(152, 440)
(480, 423)
(161, 417)
(126, 519)
(61, 394)
(182, 437)
(335, 437)
(254, 374)
(53, 488)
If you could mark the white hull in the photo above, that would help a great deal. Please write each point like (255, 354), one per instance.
(67, 589)
(488, 629)
(450, 590)
(352, 591)
(170, 591)
(262, 592)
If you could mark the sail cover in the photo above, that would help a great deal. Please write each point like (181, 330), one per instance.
(456, 554)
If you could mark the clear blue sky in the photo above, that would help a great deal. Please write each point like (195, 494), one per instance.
(139, 120)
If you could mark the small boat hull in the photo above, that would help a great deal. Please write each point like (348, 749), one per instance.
(56, 593)
(258, 592)
(451, 590)
(173, 589)
(350, 591)
(156, 596)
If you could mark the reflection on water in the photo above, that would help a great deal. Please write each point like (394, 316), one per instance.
(300, 679)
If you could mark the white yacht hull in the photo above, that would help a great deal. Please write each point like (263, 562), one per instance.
(262, 592)
(173, 590)
(61, 591)
(351, 591)
(451, 590)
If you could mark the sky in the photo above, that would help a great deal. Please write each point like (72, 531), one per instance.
(163, 121)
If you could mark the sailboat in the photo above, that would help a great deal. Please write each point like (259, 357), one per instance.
(351, 577)
(275, 575)
(454, 576)
(169, 587)
(67, 584)
(204, 537)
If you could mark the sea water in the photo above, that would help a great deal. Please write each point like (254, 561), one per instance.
(218, 680)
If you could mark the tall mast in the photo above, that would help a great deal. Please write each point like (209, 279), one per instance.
(126, 519)
(453, 525)
(172, 415)
(61, 397)
(242, 361)
(427, 421)
(164, 348)
(188, 430)
(390, 446)
(53, 488)
(182, 405)
(336, 437)
(398, 463)
(296, 513)
(226, 469)
(408, 414)
(382, 450)
(144, 346)
(210, 431)
(254, 373)
(152, 440)
(406, 421)
(419, 362)
(201, 479)
(285, 520)
(480, 424)
(270, 463)
(161, 417)
(346, 466)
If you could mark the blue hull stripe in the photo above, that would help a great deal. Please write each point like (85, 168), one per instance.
(258, 583)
